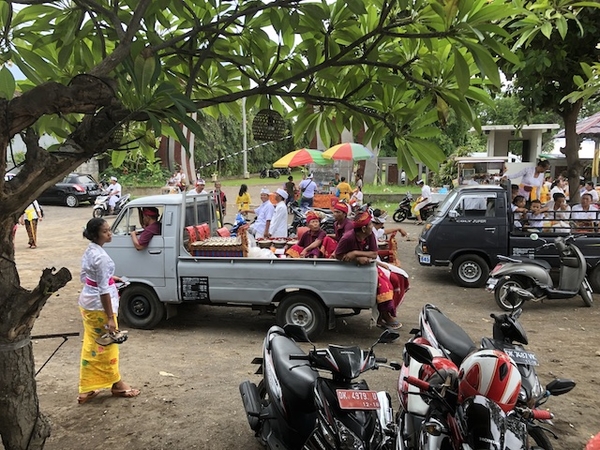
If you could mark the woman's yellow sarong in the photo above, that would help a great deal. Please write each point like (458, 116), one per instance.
(99, 367)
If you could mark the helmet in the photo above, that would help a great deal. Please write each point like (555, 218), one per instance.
(490, 373)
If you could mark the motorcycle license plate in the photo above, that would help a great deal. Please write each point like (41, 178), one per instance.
(522, 357)
(425, 259)
(351, 399)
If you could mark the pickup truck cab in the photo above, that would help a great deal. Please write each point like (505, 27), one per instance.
(475, 224)
(173, 269)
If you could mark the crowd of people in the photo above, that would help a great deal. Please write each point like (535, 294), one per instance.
(540, 203)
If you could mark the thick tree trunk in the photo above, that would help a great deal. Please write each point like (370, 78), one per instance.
(22, 426)
(571, 149)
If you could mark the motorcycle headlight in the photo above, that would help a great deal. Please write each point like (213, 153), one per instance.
(523, 395)
(348, 440)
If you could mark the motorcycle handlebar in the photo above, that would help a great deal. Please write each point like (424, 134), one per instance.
(381, 360)
(541, 414)
(424, 385)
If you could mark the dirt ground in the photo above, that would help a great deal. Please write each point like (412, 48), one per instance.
(189, 367)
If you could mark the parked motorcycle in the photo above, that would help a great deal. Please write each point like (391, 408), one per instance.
(299, 220)
(533, 275)
(295, 407)
(449, 340)
(270, 173)
(233, 228)
(404, 210)
(101, 205)
(458, 408)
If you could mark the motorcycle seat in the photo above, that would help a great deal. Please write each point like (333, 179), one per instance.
(450, 336)
(296, 377)
(539, 262)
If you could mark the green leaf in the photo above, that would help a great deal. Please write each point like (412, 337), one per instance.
(7, 83)
(117, 157)
(461, 71)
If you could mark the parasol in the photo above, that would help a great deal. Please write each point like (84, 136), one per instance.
(348, 151)
(300, 158)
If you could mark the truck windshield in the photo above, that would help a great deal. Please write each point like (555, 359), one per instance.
(446, 204)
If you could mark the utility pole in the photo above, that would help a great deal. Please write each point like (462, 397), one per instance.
(245, 140)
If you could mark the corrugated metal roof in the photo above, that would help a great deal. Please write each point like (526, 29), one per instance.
(589, 127)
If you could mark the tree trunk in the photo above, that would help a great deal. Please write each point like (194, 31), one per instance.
(571, 149)
(22, 426)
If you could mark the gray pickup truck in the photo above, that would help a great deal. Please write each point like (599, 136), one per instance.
(308, 292)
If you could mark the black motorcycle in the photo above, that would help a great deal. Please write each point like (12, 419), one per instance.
(270, 173)
(299, 220)
(404, 210)
(294, 407)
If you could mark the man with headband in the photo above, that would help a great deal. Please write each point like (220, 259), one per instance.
(360, 246)
(341, 225)
(151, 228)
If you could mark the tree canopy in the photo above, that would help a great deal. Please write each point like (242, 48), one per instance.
(112, 74)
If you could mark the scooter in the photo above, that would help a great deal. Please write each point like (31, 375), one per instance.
(533, 275)
(271, 173)
(101, 205)
(294, 407)
(404, 210)
(449, 340)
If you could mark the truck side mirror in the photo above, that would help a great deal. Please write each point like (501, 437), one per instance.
(453, 213)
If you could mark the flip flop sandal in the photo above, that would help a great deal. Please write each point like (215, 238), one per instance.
(125, 393)
(118, 337)
(84, 398)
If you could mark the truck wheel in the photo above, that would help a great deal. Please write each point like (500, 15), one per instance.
(594, 279)
(470, 271)
(71, 201)
(97, 212)
(500, 294)
(586, 293)
(399, 216)
(140, 307)
(300, 309)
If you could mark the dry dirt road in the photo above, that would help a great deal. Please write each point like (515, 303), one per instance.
(189, 367)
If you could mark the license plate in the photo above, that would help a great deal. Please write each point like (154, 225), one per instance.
(351, 399)
(425, 259)
(491, 283)
(94, 192)
(522, 356)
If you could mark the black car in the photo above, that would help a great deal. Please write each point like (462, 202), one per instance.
(72, 190)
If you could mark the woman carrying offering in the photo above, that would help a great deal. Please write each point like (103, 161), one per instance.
(310, 242)
(360, 246)
(99, 304)
(532, 179)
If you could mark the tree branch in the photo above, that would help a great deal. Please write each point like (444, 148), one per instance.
(122, 51)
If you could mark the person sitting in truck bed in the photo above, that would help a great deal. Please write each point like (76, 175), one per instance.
(360, 247)
(519, 211)
(341, 226)
(152, 227)
(535, 217)
(309, 245)
(584, 215)
(558, 212)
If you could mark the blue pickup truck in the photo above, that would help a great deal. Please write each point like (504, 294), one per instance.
(475, 224)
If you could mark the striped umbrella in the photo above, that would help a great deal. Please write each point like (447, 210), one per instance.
(300, 158)
(348, 151)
